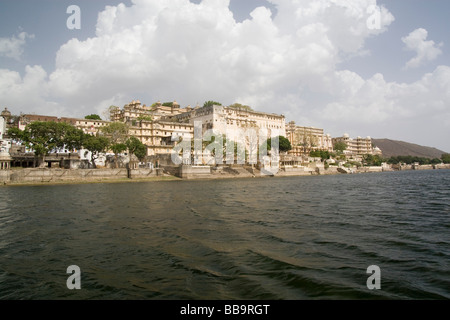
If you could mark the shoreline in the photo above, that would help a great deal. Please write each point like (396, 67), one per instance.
(52, 177)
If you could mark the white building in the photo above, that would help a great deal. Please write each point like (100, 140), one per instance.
(5, 146)
(233, 121)
(2, 127)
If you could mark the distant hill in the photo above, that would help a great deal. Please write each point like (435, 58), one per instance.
(391, 148)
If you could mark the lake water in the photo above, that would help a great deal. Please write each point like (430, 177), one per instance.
(269, 238)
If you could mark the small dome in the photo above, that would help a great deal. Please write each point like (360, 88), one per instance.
(369, 138)
(346, 135)
(6, 113)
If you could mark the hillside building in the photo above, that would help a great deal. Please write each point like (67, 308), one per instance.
(357, 147)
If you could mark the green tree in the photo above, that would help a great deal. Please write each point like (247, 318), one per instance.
(435, 161)
(72, 138)
(241, 106)
(211, 103)
(118, 148)
(43, 137)
(15, 133)
(283, 143)
(340, 147)
(372, 160)
(136, 147)
(93, 117)
(445, 158)
(324, 155)
(144, 118)
(96, 145)
(117, 134)
(167, 104)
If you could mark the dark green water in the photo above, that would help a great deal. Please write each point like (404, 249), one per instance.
(271, 238)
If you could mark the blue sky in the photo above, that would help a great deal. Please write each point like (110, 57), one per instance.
(314, 61)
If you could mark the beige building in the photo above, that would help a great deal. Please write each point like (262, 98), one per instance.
(307, 139)
(152, 125)
(157, 135)
(358, 146)
(135, 111)
(90, 126)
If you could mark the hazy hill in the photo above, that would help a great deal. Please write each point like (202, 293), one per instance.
(400, 148)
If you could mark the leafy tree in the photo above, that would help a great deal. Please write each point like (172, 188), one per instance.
(372, 160)
(136, 147)
(240, 106)
(284, 144)
(43, 137)
(96, 145)
(117, 134)
(72, 138)
(144, 118)
(118, 148)
(167, 104)
(340, 146)
(446, 158)
(211, 103)
(411, 160)
(93, 117)
(324, 155)
(435, 161)
(15, 133)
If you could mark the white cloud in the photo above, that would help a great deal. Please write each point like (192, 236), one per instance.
(13, 47)
(425, 50)
(178, 50)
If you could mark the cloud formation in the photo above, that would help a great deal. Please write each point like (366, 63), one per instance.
(166, 50)
(13, 47)
(425, 50)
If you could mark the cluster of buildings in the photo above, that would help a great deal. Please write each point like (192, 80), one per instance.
(156, 125)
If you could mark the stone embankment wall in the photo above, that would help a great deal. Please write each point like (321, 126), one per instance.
(62, 175)
(195, 172)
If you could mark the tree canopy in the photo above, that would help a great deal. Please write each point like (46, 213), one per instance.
(211, 103)
(93, 117)
(136, 147)
(340, 146)
(324, 155)
(44, 137)
(96, 145)
(117, 134)
(241, 106)
(283, 143)
(446, 158)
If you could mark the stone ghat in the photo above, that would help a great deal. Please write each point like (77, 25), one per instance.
(45, 175)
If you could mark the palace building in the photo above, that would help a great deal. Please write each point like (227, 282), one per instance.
(307, 139)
